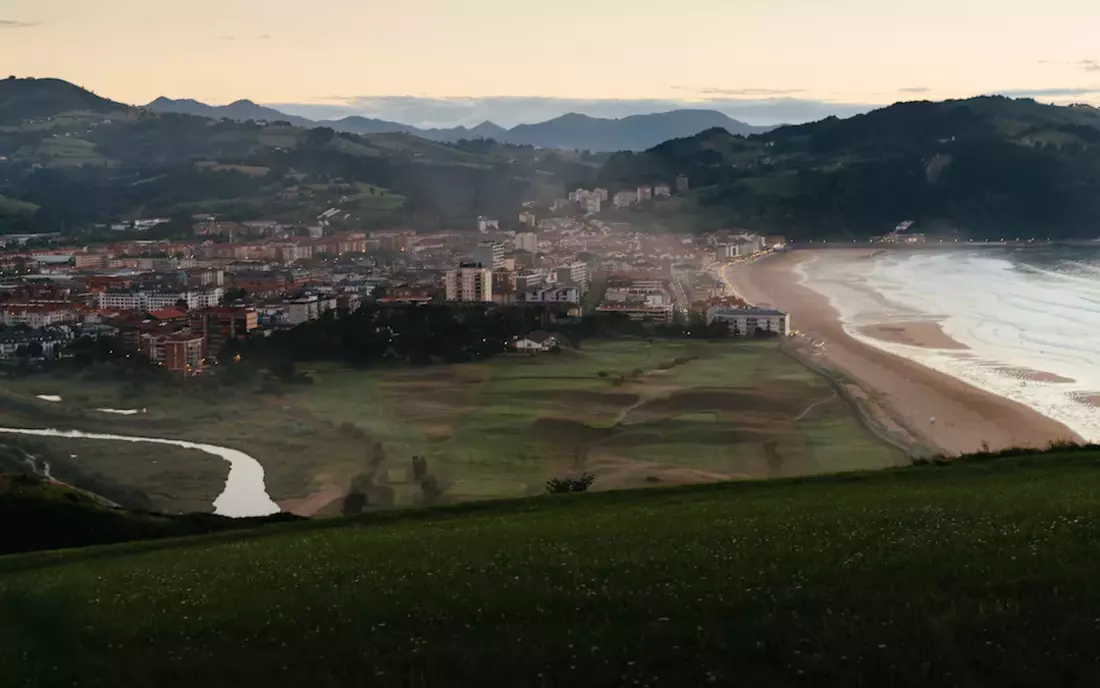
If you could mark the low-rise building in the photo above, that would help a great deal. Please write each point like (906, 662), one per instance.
(748, 321)
(571, 295)
(535, 341)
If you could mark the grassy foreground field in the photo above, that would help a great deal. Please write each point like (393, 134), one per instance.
(976, 573)
(632, 412)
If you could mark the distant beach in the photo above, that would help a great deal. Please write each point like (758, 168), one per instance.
(897, 353)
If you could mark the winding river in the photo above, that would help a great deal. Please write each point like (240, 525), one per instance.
(245, 493)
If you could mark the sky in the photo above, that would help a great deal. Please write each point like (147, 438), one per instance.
(448, 62)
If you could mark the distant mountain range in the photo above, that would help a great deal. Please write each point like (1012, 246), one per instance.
(572, 131)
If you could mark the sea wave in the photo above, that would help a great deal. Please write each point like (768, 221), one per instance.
(1014, 311)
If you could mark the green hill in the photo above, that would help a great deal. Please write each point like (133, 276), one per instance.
(980, 572)
(28, 99)
(83, 160)
(984, 167)
(42, 515)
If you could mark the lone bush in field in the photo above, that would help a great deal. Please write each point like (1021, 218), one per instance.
(563, 485)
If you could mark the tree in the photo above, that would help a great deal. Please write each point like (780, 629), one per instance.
(354, 503)
(420, 469)
(182, 305)
(431, 490)
(235, 294)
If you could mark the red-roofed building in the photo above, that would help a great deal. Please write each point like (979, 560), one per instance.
(168, 315)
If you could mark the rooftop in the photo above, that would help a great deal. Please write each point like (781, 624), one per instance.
(723, 310)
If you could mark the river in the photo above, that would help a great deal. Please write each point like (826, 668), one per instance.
(245, 493)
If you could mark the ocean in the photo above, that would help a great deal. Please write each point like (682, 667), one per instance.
(1016, 310)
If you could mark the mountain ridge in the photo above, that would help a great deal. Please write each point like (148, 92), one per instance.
(572, 130)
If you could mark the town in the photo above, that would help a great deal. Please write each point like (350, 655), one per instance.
(178, 301)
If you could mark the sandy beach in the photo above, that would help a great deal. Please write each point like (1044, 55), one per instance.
(966, 418)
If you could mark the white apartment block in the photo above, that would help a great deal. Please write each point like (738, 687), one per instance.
(624, 199)
(745, 321)
(153, 300)
(490, 254)
(36, 317)
(527, 241)
(469, 283)
(303, 310)
(593, 204)
(573, 274)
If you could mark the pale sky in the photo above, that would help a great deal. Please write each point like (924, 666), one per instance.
(345, 52)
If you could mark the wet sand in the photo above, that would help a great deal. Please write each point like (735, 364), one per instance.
(966, 418)
(925, 334)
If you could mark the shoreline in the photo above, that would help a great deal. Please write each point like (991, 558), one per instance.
(935, 409)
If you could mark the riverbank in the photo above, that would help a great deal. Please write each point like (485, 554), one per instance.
(936, 409)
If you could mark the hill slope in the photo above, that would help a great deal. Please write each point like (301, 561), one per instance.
(45, 515)
(984, 167)
(975, 573)
(102, 164)
(23, 99)
(572, 131)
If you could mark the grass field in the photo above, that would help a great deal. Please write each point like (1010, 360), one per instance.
(976, 573)
(12, 206)
(670, 412)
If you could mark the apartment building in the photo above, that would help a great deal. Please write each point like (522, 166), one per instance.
(36, 316)
(575, 273)
(571, 295)
(152, 300)
(490, 254)
(746, 321)
(469, 283)
(527, 241)
(217, 326)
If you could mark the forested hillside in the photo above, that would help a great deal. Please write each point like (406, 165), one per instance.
(69, 158)
(984, 167)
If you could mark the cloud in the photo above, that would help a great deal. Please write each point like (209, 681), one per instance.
(1050, 92)
(750, 92)
(508, 111)
(13, 24)
(258, 37)
(915, 89)
(1092, 65)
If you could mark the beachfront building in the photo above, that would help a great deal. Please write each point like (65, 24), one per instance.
(746, 321)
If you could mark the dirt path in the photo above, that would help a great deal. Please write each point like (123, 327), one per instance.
(814, 405)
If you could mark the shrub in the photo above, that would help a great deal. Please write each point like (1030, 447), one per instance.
(564, 485)
(354, 503)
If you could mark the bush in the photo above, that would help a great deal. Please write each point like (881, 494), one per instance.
(354, 503)
(603, 373)
(352, 430)
(564, 485)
